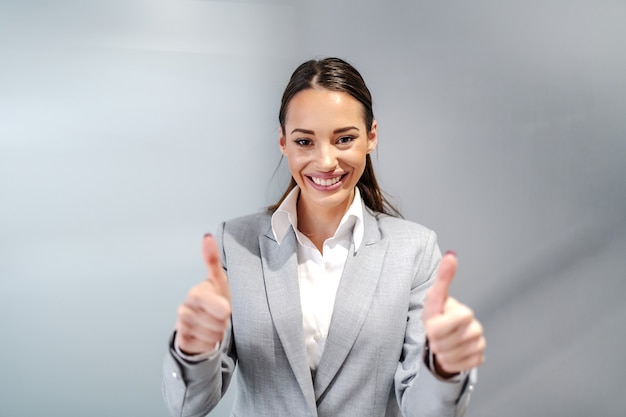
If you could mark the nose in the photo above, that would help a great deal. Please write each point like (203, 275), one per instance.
(326, 158)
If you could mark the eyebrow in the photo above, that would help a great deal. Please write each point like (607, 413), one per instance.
(310, 132)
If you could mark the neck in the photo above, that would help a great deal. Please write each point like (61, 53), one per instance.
(320, 223)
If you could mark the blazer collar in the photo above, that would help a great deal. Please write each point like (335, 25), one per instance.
(280, 272)
(354, 296)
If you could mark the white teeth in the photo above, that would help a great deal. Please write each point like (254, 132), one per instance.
(326, 182)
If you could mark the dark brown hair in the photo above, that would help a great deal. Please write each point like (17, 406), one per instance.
(337, 75)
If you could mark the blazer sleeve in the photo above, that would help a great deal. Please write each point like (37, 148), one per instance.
(419, 392)
(193, 389)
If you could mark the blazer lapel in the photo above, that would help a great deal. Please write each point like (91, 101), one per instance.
(354, 295)
(280, 271)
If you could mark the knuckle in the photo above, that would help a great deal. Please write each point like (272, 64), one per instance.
(227, 309)
(480, 327)
(474, 333)
(183, 313)
(482, 344)
(466, 314)
(183, 327)
(198, 294)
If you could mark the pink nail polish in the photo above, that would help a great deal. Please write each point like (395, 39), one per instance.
(450, 252)
(208, 235)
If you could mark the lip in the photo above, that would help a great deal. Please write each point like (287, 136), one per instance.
(333, 187)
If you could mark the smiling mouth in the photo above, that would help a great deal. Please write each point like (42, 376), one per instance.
(327, 182)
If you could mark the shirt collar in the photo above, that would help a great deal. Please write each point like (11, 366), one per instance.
(286, 216)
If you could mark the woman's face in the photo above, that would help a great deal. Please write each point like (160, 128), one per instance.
(326, 142)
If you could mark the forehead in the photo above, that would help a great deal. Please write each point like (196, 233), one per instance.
(324, 106)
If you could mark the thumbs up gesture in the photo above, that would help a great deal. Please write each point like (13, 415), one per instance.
(453, 333)
(203, 316)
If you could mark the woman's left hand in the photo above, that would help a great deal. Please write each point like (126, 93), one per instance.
(455, 336)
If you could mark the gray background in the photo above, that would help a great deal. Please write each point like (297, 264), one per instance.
(129, 128)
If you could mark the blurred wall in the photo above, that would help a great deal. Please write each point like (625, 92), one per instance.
(129, 128)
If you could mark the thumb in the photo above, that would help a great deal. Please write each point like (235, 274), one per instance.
(438, 293)
(216, 274)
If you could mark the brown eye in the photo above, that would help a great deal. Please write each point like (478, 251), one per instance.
(345, 139)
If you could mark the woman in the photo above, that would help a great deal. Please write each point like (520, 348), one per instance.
(328, 302)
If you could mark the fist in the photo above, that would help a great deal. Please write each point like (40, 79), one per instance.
(454, 334)
(203, 316)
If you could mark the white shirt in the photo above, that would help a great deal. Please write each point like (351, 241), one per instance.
(319, 273)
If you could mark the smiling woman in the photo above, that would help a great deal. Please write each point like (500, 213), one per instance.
(335, 75)
(328, 302)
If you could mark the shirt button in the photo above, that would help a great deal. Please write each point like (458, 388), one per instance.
(174, 375)
(317, 336)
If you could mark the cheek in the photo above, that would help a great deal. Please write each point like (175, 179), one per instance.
(359, 164)
(295, 164)
(357, 158)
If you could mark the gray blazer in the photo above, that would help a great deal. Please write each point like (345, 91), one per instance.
(372, 362)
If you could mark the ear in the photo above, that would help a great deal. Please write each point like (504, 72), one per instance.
(372, 138)
(282, 142)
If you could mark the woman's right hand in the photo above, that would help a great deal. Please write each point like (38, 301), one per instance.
(204, 315)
